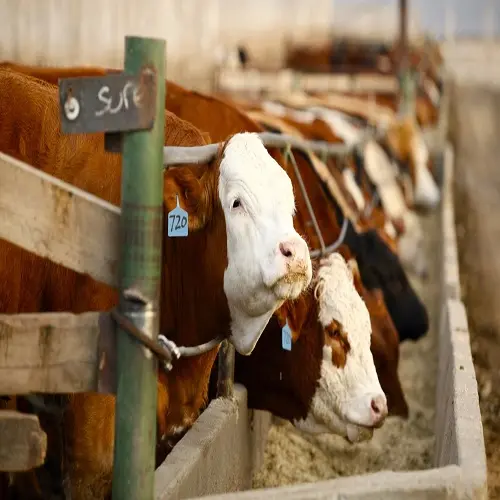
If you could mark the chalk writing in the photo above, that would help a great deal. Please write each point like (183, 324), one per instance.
(123, 99)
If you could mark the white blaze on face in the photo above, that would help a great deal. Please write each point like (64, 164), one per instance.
(353, 188)
(390, 229)
(426, 193)
(268, 262)
(274, 108)
(432, 91)
(340, 124)
(277, 109)
(381, 171)
(301, 116)
(343, 400)
(411, 245)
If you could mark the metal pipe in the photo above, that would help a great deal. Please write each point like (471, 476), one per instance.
(225, 373)
(140, 274)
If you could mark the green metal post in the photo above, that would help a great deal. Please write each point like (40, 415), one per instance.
(406, 77)
(140, 272)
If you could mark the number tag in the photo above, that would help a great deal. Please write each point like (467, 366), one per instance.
(177, 222)
(286, 337)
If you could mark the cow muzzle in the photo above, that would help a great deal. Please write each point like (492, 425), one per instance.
(296, 268)
(367, 412)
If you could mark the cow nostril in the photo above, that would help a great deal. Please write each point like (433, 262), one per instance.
(285, 250)
(379, 406)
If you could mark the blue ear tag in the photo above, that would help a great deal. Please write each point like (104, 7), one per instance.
(177, 222)
(286, 337)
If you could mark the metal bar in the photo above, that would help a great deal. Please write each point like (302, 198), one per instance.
(406, 79)
(225, 374)
(201, 154)
(140, 274)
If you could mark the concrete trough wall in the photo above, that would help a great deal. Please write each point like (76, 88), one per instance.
(216, 458)
(218, 454)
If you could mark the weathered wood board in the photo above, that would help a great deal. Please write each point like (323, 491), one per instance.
(53, 219)
(23, 442)
(51, 353)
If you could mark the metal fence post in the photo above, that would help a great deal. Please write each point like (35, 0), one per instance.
(406, 77)
(140, 275)
(225, 379)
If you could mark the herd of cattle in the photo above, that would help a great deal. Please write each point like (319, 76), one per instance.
(256, 215)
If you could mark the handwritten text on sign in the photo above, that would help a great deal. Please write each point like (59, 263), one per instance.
(117, 102)
(104, 96)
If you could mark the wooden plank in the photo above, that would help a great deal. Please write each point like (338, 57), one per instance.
(50, 353)
(23, 442)
(56, 220)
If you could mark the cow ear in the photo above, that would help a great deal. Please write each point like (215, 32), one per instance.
(184, 187)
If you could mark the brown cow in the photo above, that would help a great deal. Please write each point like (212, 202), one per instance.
(203, 294)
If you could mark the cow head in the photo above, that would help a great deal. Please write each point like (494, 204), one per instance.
(249, 197)
(408, 146)
(380, 268)
(426, 193)
(327, 382)
(348, 400)
(384, 345)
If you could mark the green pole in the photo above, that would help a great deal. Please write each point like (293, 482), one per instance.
(140, 274)
(406, 78)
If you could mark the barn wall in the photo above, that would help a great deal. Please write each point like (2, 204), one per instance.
(91, 32)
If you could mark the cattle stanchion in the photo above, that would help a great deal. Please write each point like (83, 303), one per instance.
(225, 374)
(141, 245)
(132, 103)
(407, 83)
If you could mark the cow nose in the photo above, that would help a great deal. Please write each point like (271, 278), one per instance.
(379, 410)
(287, 249)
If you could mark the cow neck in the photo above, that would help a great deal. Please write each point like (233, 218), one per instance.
(284, 382)
(194, 306)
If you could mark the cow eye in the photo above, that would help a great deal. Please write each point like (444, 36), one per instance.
(334, 332)
(236, 203)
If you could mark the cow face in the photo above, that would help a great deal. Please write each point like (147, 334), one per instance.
(348, 400)
(246, 192)
(268, 262)
(426, 191)
(408, 146)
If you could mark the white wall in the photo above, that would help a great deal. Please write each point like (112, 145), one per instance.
(91, 32)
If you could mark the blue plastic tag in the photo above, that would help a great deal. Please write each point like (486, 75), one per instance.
(177, 222)
(286, 337)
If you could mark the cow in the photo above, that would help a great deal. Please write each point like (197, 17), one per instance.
(227, 277)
